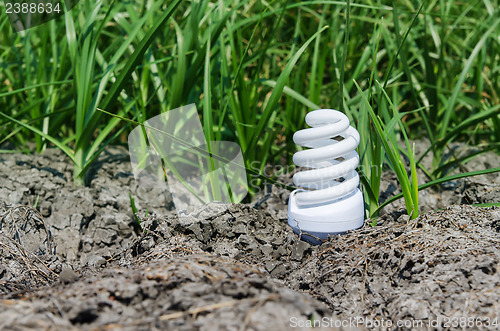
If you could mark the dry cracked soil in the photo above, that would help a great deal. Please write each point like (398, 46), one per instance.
(74, 258)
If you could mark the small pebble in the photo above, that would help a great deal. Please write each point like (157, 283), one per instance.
(67, 276)
(96, 261)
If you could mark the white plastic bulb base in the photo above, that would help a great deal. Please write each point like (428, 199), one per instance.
(316, 223)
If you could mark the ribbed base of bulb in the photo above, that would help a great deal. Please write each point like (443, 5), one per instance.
(318, 222)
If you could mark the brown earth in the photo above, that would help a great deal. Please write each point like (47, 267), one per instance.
(79, 261)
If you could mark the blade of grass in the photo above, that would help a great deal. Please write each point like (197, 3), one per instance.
(277, 91)
(340, 102)
(393, 60)
(56, 142)
(391, 151)
(458, 86)
(137, 55)
(410, 152)
(440, 181)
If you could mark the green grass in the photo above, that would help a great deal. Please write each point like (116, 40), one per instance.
(400, 72)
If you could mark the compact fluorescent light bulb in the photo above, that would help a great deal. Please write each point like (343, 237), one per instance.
(330, 201)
